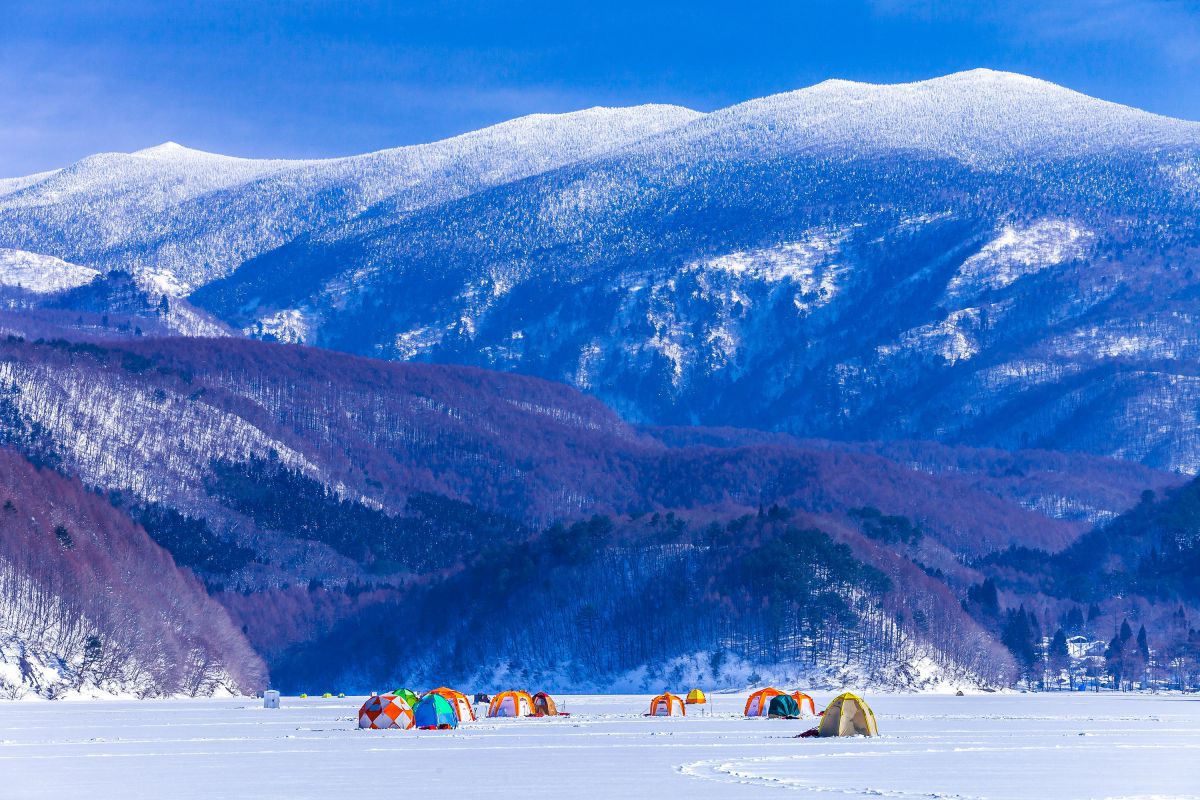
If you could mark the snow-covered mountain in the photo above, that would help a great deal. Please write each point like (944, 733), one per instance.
(980, 117)
(195, 216)
(983, 258)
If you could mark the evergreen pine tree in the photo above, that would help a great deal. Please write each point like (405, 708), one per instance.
(1018, 638)
(1060, 657)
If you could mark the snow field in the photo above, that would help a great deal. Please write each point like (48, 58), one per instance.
(1023, 747)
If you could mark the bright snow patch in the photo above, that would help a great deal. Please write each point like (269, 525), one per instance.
(35, 272)
(953, 339)
(162, 282)
(1001, 747)
(789, 261)
(288, 325)
(1017, 252)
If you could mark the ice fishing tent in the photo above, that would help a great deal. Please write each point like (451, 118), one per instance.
(848, 715)
(458, 700)
(696, 697)
(783, 706)
(758, 704)
(408, 696)
(544, 706)
(385, 711)
(666, 705)
(435, 711)
(801, 698)
(511, 704)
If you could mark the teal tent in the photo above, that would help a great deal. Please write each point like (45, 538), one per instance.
(434, 711)
(783, 706)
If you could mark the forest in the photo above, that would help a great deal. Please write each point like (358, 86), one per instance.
(497, 514)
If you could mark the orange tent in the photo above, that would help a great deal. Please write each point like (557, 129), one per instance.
(665, 705)
(458, 701)
(511, 704)
(758, 703)
(801, 698)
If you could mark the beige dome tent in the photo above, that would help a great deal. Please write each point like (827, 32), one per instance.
(848, 715)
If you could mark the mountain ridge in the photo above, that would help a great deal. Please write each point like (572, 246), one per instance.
(885, 268)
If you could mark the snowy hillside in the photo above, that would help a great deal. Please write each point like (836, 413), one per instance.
(39, 273)
(90, 606)
(196, 215)
(310, 527)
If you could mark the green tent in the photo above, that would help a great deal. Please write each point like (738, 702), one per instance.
(408, 696)
(783, 706)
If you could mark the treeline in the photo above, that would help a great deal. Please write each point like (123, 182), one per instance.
(591, 600)
(1145, 564)
(433, 532)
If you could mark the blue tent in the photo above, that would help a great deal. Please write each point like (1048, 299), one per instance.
(434, 711)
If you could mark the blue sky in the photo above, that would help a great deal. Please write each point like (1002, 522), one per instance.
(317, 78)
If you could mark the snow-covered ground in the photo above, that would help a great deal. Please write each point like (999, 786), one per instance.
(1032, 747)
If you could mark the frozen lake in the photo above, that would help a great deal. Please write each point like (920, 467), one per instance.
(1032, 747)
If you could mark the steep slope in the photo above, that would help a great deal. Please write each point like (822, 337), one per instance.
(89, 604)
(188, 216)
(984, 259)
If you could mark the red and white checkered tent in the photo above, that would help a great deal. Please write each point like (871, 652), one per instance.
(385, 711)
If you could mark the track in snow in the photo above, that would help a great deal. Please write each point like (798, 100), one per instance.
(1006, 747)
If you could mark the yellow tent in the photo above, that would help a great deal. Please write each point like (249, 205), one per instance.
(848, 715)
(696, 697)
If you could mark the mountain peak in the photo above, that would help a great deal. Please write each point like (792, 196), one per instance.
(166, 148)
(173, 150)
(980, 116)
